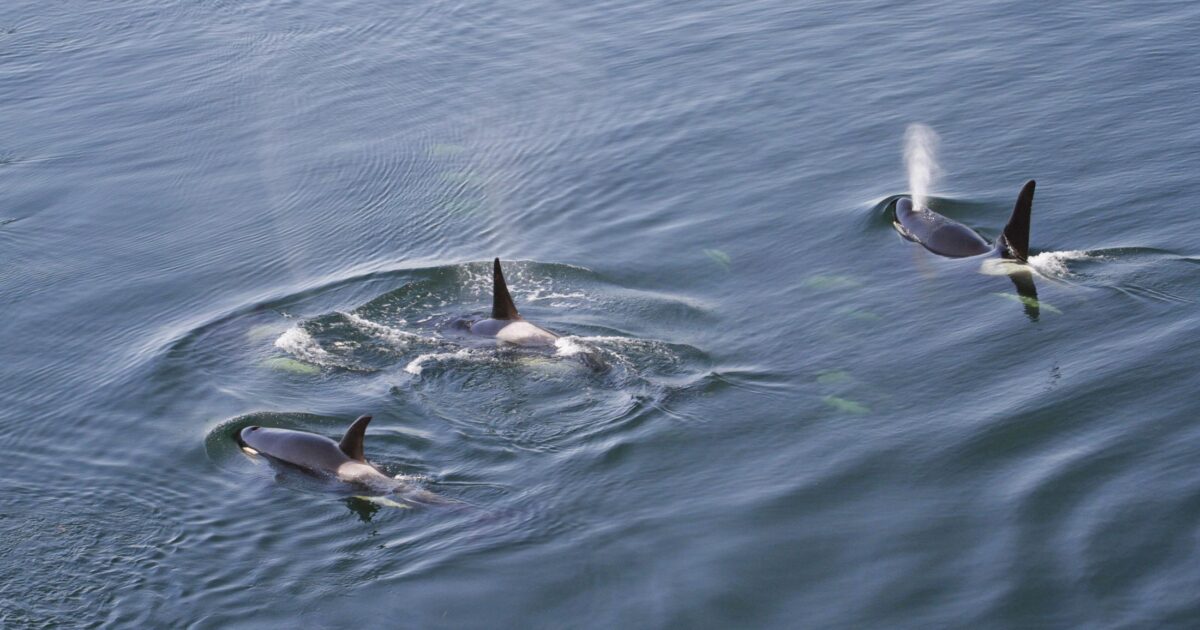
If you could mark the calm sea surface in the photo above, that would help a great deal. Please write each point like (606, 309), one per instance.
(768, 409)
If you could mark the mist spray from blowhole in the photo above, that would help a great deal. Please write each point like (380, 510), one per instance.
(920, 157)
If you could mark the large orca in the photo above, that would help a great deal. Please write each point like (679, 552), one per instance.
(947, 237)
(506, 324)
(316, 453)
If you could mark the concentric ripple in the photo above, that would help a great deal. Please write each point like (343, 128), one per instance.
(409, 343)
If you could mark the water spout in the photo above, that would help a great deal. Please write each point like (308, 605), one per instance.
(920, 148)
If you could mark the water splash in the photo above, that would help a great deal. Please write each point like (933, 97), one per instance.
(1054, 264)
(417, 365)
(920, 149)
(299, 343)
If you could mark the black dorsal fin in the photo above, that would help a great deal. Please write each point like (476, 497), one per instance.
(1016, 233)
(502, 303)
(352, 442)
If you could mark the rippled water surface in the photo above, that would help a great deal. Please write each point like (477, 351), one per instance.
(765, 409)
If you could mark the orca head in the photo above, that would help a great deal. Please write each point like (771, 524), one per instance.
(246, 435)
(905, 209)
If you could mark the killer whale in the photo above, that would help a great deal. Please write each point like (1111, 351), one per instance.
(946, 237)
(344, 460)
(505, 323)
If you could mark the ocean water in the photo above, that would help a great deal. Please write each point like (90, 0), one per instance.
(767, 409)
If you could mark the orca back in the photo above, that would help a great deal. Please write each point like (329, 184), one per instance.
(937, 233)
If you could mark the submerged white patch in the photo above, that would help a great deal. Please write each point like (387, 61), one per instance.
(1003, 267)
(368, 475)
(1030, 301)
(384, 501)
(525, 334)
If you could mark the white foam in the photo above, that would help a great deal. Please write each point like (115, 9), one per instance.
(612, 340)
(1055, 263)
(537, 295)
(567, 347)
(394, 336)
(415, 366)
(610, 346)
(297, 342)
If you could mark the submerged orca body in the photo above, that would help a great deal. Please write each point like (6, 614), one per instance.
(316, 453)
(506, 324)
(946, 237)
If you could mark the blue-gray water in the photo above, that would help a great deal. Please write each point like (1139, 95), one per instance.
(217, 213)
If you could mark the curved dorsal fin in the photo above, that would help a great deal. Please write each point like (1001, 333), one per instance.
(352, 441)
(502, 303)
(1016, 233)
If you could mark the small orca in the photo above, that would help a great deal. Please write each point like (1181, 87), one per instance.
(316, 453)
(946, 237)
(506, 324)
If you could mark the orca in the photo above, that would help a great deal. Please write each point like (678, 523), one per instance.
(505, 323)
(946, 237)
(342, 460)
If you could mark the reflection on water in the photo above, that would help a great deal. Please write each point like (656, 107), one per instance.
(362, 507)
